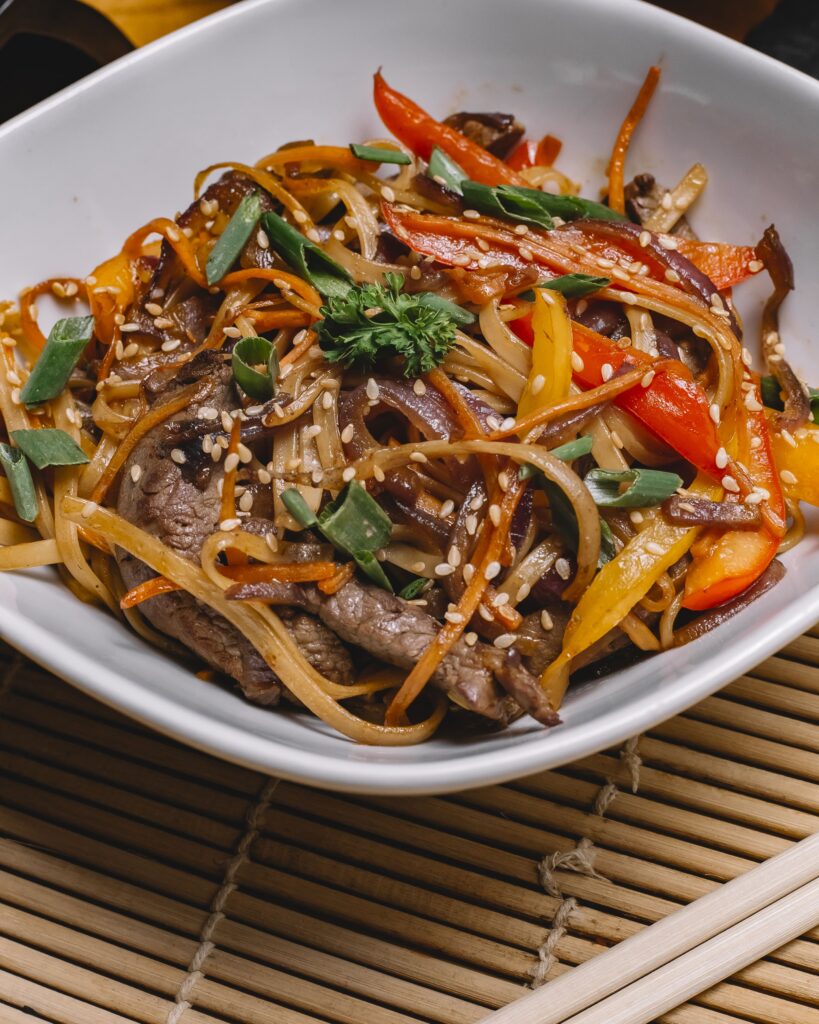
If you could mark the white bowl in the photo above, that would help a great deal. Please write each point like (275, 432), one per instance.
(86, 167)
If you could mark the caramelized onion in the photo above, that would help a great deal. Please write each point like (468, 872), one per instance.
(705, 623)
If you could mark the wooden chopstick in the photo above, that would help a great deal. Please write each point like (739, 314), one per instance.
(689, 929)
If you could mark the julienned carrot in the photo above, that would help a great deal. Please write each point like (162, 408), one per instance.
(282, 279)
(145, 591)
(617, 200)
(274, 319)
(28, 308)
(335, 583)
(173, 235)
(284, 572)
(421, 133)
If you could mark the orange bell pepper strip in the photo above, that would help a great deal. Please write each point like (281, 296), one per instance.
(421, 133)
(726, 265)
(618, 155)
(727, 562)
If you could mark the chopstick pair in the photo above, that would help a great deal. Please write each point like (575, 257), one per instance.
(687, 952)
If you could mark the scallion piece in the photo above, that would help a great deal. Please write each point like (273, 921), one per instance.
(461, 316)
(18, 474)
(248, 353)
(306, 258)
(607, 547)
(508, 203)
(371, 567)
(645, 487)
(298, 508)
(575, 286)
(354, 521)
(66, 343)
(49, 447)
(232, 240)
(567, 452)
(414, 588)
(379, 154)
(772, 396)
(443, 169)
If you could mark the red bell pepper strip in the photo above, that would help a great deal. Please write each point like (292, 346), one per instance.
(726, 265)
(421, 133)
(529, 153)
(727, 562)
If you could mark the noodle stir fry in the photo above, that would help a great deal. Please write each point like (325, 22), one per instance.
(408, 431)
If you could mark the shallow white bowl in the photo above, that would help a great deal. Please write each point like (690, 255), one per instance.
(85, 168)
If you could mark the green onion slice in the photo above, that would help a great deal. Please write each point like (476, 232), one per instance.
(49, 447)
(18, 474)
(567, 452)
(232, 240)
(607, 546)
(414, 588)
(248, 353)
(646, 487)
(443, 169)
(306, 258)
(354, 521)
(772, 397)
(575, 286)
(371, 567)
(461, 316)
(298, 508)
(65, 344)
(508, 203)
(379, 154)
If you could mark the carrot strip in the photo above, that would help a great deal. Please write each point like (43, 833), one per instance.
(274, 276)
(173, 235)
(335, 583)
(285, 572)
(145, 591)
(28, 308)
(228, 507)
(298, 351)
(273, 319)
(617, 200)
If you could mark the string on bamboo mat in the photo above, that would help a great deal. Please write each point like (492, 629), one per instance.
(196, 968)
(9, 676)
(580, 859)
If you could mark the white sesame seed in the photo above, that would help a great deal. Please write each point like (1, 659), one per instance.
(327, 400)
(454, 556)
(526, 253)
(126, 328)
(470, 639)
(231, 462)
(721, 458)
(787, 477)
(503, 480)
(499, 600)
(262, 240)
(653, 548)
(788, 437)
(300, 217)
(492, 570)
(606, 371)
(493, 422)
(563, 569)
(446, 509)
(136, 472)
(577, 363)
(246, 501)
(444, 569)
(746, 357)
(523, 592)
(216, 453)
(647, 379)
(130, 350)
(454, 617)
(348, 474)
(730, 484)
(313, 235)
(244, 453)
(636, 517)
(372, 390)
(13, 377)
(645, 238)
(173, 233)
(313, 430)
(546, 620)
(415, 273)
(153, 308)
(477, 503)
(347, 433)
(178, 456)
(15, 396)
(495, 514)
(604, 263)
(471, 524)
(388, 194)
(471, 214)
(461, 260)
(468, 572)
(537, 385)
(755, 266)
(714, 413)
(379, 473)
(317, 476)
(483, 245)
(521, 229)
(751, 404)
(504, 640)
(418, 457)
(672, 276)
(228, 525)
(628, 298)
(89, 508)
(754, 498)
(509, 423)
(666, 202)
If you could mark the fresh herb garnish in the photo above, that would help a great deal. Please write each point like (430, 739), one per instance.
(354, 523)
(232, 240)
(306, 258)
(530, 205)
(443, 170)
(66, 343)
(646, 487)
(379, 154)
(372, 322)
(248, 353)
(49, 447)
(18, 475)
(772, 396)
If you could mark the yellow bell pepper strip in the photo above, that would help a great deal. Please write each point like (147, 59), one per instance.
(728, 562)
(421, 133)
(551, 372)
(799, 463)
(619, 585)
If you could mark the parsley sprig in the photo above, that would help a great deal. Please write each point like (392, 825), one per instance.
(373, 322)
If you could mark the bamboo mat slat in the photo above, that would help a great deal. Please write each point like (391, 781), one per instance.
(146, 883)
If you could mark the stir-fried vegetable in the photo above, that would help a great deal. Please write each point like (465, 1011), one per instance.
(66, 342)
(232, 240)
(248, 354)
(551, 372)
(643, 487)
(306, 258)
(18, 474)
(379, 154)
(49, 447)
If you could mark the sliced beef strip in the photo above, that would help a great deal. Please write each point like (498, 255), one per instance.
(499, 133)
(180, 506)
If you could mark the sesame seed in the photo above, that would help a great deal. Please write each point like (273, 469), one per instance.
(523, 592)
(714, 413)
(647, 379)
(327, 400)
(504, 640)
(787, 477)
(372, 389)
(755, 266)
(495, 514)
(521, 229)
(628, 298)
(751, 404)
(788, 437)
(471, 214)
(721, 458)
(469, 572)
(246, 501)
(454, 556)
(418, 457)
(231, 462)
(470, 639)
(754, 498)
(644, 239)
(388, 194)
(262, 240)
(313, 235)
(483, 245)
(216, 453)
(173, 233)
(444, 569)
(418, 566)
(471, 524)
(492, 570)
(245, 454)
(619, 274)
(126, 328)
(653, 548)
(454, 617)
(130, 350)
(730, 484)
(347, 434)
(537, 385)
(526, 254)
(300, 217)
(477, 503)
(89, 508)
(317, 476)
(499, 600)
(13, 377)
(348, 474)
(227, 525)
(419, 387)
(563, 569)
(509, 423)
(672, 276)
(604, 262)
(577, 363)
(446, 509)
(313, 430)
(746, 357)
(493, 422)
(415, 273)
(15, 396)
(666, 202)
(546, 620)
(178, 456)
(503, 480)
(153, 308)
(606, 371)
(136, 472)
(461, 260)
(379, 473)
(636, 517)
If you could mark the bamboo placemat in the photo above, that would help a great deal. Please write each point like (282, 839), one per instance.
(143, 881)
